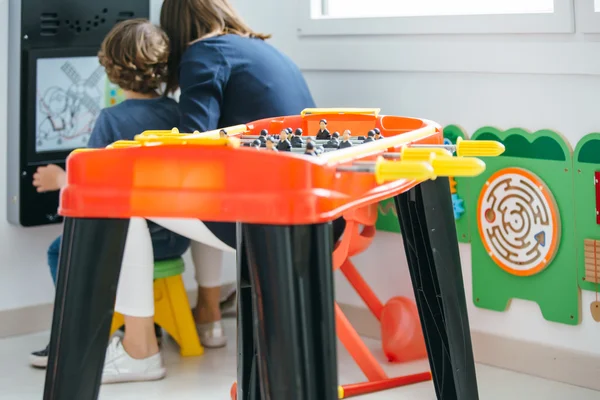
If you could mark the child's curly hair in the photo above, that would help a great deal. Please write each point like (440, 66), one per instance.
(135, 54)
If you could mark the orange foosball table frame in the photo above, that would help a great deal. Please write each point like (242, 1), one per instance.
(283, 204)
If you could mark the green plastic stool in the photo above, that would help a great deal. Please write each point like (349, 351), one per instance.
(172, 310)
(168, 268)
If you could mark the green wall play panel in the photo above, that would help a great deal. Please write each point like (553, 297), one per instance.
(522, 225)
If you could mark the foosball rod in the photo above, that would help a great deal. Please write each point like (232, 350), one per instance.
(301, 150)
(246, 139)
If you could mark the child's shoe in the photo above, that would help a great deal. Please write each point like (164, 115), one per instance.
(39, 359)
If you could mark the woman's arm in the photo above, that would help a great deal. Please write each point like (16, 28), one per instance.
(203, 76)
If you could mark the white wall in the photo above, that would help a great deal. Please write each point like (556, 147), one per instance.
(25, 278)
(529, 81)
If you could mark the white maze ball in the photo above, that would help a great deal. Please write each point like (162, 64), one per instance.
(518, 221)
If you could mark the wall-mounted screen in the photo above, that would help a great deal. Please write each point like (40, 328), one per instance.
(71, 91)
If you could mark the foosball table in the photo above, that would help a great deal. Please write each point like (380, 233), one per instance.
(283, 199)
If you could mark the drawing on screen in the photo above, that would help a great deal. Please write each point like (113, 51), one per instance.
(69, 102)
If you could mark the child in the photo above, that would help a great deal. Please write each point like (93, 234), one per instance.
(134, 55)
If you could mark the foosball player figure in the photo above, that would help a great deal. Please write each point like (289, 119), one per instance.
(370, 137)
(318, 149)
(256, 144)
(222, 133)
(297, 140)
(289, 131)
(345, 140)
(378, 134)
(323, 133)
(334, 142)
(271, 144)
(310, 149)
(284, 144)
(263, 137)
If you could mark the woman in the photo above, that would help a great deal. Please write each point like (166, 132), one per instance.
(228, 75)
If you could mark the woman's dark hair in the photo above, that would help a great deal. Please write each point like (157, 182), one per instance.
(186, 21)
(323, 121)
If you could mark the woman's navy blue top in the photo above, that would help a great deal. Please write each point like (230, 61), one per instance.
(229, 80)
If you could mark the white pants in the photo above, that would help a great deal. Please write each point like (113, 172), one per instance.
(135, 294)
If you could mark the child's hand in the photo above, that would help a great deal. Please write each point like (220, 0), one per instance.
(49, 178)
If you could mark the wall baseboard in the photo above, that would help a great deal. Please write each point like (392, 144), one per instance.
(561, 365)
(25, 320)
(38, 318)
(574, 368)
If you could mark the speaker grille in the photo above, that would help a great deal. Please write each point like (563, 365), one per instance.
(49, 24)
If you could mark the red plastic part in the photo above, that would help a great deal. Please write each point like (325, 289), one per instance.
(358, 235)
(362, 288)
(233, 391)
(229, 184)
(357, 348)
(359, 389)
(401, 333)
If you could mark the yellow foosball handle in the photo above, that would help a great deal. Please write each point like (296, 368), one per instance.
(422, 153)
(456, 166)
(340, 392)
(387, 171)
(478, 148)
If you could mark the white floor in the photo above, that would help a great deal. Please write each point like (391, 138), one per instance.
(210, 377)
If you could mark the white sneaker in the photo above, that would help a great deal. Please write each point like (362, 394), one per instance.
(212, 335)
(121, 367)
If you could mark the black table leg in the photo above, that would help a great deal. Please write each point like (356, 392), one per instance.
(293, 300)
(90, 262)
(247, 374)
(431, 245)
